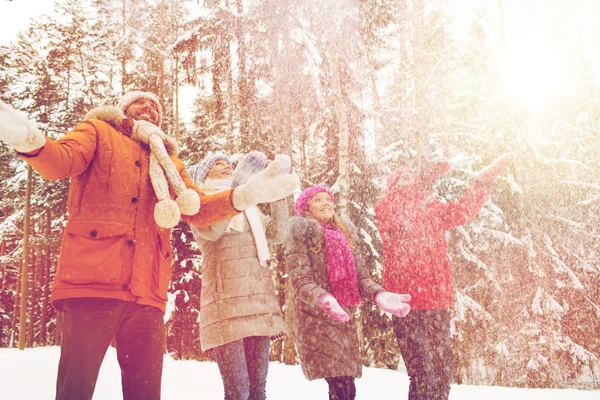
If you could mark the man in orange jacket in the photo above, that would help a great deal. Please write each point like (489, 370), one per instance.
(127, 189)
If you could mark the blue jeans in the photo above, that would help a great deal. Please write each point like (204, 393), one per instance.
(89, 325)
(244, 365)
(425, 343)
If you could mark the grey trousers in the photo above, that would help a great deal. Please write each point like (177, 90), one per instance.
(425, 344)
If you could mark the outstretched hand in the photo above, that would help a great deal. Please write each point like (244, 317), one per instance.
(251, 164)
(487, 174)
(393, 303)
(431, 170)
(17, 131)
(265, 187)
(285, 163)
(329, 304)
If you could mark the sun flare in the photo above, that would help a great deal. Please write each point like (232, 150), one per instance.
(532, 73)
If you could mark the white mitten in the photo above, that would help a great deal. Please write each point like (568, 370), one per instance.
(285, 163)
(265, 187)
(17, 131)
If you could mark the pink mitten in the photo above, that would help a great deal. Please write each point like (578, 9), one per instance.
(487, 174)
(393, 303)
(329, 304)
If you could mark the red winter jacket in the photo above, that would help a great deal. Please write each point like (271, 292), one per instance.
(413, 228)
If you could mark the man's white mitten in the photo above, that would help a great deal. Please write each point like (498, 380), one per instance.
(17, 131)
(265, 187)
(285, 164)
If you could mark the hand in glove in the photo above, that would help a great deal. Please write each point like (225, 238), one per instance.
(487, 174)
(393, 303)
(285, 164)
(329, 304)
(265, 187)
(17, 131)
(251, 164)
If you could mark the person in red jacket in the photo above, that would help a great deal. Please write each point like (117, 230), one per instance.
(412, 225)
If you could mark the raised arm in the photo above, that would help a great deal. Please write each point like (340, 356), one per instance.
(466, 208)
(278, 223)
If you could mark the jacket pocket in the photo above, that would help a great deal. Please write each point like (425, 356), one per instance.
(92, 252)
(161, 275)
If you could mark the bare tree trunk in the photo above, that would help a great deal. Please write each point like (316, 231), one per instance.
(4, 269)
(13, 322)
(44, 281)
(161, 81)
(124, 79)
(37, 259)
(216, 83)
(343, 161)
(24, 273)
(289, 344)
(243, 81)
(176, 99)
(420, 76)
(380, 128)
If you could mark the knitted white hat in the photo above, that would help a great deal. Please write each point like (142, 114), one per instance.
(198, 172)
(130, 97)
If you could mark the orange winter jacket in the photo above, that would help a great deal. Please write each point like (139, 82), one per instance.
(111, 246)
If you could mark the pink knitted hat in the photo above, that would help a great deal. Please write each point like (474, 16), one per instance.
(301, 204)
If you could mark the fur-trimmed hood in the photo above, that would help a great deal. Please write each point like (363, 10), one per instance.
(116, 118)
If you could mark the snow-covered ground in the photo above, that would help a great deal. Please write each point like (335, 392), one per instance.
(30, 374)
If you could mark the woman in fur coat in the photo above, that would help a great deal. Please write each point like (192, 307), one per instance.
(330, 281)
(239, 311)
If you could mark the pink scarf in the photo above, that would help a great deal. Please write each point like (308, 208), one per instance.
(341, 268)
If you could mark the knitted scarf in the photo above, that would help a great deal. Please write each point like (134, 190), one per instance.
(163, 172)
(237, 223)
(341, 269)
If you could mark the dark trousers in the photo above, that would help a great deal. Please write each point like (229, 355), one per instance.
(244, 365)
(425, 344)
(89, 325)
(341, 388)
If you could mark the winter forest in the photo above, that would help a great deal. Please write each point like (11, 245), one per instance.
(350, 89)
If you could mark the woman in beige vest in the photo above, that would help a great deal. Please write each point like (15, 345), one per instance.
(239, 312)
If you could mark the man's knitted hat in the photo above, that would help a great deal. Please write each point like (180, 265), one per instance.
(199, 171)
(130, 97)
(301, 204)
